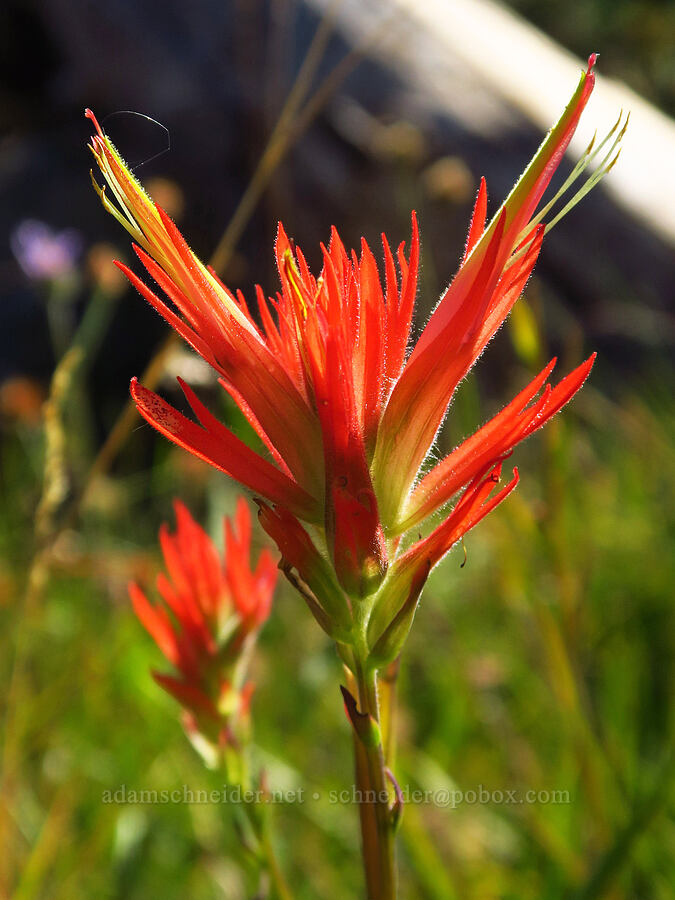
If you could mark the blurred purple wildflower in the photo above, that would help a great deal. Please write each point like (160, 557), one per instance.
(42, 252)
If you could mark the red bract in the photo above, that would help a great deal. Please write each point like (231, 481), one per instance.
(324, 376)
(210, 615)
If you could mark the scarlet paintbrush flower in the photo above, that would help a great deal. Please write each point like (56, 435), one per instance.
(210, 617)
(347, 414)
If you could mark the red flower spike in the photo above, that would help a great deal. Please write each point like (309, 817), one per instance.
(210, 608)
(323, 379)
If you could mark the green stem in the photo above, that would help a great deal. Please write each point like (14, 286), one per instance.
(373, 792)
(387, 684)
(257, 816)
(367, 819)
(279, 886)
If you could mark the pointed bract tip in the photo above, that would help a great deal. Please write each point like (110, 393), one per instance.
(586, 366)
(281, 235)
(351, 707)
(180, 509)
(592, 59)
(415, 235)
(242, 515)
(135, 390)
(133, 590)
(90, 115)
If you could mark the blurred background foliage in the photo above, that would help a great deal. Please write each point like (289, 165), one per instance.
(545, 663)
(638, 32)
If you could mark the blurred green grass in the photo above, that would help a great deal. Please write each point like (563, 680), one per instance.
(544, 664)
